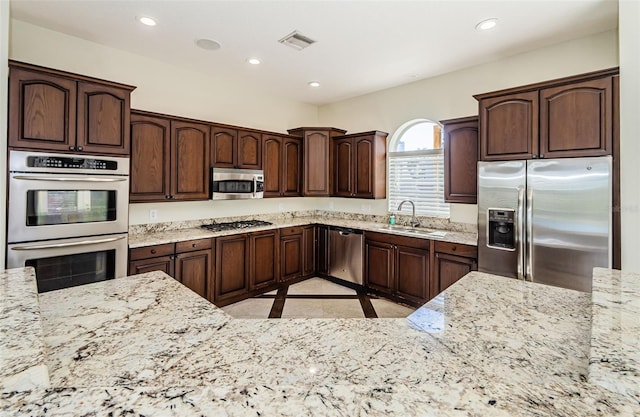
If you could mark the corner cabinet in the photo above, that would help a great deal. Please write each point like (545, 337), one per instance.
(460, 160)
(169, 159)
(56, 111)
(317, 159)
(282, 165)
(360, 164)
(568, 117)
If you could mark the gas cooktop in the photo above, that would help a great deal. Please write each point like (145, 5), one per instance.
(242, 224)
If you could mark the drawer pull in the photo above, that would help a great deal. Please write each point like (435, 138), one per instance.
(153, 251)
(194, 245)
(453, 248)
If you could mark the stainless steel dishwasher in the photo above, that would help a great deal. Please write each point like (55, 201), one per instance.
(345, 254)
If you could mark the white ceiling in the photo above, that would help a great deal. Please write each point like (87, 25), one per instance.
(362, 46)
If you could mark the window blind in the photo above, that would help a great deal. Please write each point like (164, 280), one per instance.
(418, 176)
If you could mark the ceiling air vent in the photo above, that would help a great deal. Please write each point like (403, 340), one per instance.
(296, 40)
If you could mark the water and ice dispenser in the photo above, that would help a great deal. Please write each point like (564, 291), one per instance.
(501, 229)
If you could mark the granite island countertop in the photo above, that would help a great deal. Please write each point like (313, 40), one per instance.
(160, 236)
(487, 346)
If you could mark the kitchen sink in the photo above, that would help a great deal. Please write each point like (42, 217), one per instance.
(411, 231)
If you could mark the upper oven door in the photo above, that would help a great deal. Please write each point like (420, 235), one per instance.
(55, 206)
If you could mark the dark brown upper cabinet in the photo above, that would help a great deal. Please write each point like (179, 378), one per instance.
(169, 159)
(360, 164)
(460, 160)
(223, 147)
(56, 111)
(150, 174)
(232, 148)
(189, 161)
(317, 159)
(509, 126)
(568, 117)
(282, 164)
(576, 119)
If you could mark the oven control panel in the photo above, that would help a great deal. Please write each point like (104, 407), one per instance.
(71, 163)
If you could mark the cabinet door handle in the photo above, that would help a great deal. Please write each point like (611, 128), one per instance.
(72, 148)
(541, 156)
(80, 148)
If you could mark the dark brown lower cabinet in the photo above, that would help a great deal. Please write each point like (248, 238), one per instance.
(263, 259)
(232, 267)
(308, 250)
(379, 263)
(322, 249)
(412, 267)
(397, 266)
(161, 263)
(189, 262)
(452, 262)
(291, 250)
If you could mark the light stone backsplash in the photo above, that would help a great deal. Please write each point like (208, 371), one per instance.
(405, 220)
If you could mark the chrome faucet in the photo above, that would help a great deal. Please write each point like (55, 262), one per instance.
(414, 223)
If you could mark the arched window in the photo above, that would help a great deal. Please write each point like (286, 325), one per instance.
(416, 168)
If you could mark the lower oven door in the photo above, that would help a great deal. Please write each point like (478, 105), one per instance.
(70, 262)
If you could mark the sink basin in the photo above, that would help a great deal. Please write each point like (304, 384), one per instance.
(411, 231)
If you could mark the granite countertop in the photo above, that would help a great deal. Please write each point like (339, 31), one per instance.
(487, 346)
(137, 240)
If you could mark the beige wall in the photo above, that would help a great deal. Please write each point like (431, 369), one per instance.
(629, 32)
(165, 88)
(169, 89)
(4, 52)
(450, 95)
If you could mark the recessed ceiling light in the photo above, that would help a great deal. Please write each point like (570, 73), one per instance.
(487, 24)
(253, 61)
(313, 84)
(208, 44)
(146, 20)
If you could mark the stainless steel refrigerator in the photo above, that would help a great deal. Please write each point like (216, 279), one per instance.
(546, 220)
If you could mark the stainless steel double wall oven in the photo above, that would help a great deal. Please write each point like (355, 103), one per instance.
(68, 217)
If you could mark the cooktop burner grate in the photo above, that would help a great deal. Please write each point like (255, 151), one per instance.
(243, 224)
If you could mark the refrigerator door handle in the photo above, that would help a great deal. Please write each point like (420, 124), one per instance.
(529, 242)
(520, 222)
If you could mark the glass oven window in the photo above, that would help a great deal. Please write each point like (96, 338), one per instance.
(48, 207)
(65, 271)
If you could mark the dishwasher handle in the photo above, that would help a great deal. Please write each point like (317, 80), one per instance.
(345, 231)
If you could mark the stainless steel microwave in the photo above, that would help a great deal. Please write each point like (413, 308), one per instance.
(234, 184)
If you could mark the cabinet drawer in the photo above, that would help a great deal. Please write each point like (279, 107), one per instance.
(151, 251)
(191, 245)
(288, 231)
(412, 242)
(457, 249)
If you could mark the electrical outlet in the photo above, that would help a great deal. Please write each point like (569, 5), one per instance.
(153, 215)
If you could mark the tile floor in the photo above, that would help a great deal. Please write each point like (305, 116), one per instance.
(316, 298)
